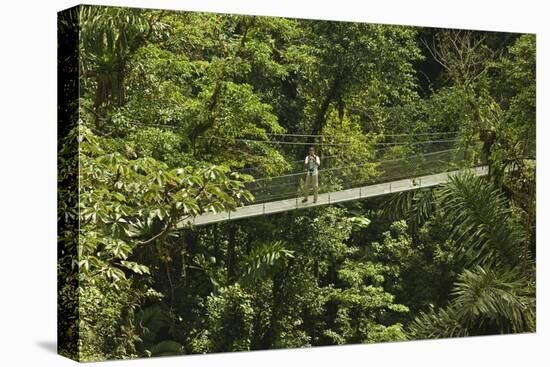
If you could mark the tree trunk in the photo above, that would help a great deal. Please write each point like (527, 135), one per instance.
(231, 254)
(319, 122)
(270, 336)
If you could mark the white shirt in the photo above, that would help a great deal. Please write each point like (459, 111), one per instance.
(311, 166)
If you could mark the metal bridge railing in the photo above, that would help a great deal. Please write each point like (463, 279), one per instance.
(354, 175)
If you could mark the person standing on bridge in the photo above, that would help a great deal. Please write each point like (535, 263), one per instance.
(312, 163)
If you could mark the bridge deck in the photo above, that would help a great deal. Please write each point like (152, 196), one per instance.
(329, 197)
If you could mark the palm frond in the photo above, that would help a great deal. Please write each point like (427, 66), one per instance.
(262, 261)
(485, 302)
(481, 220)
(415, 206)
(490, 300)
(442, 323)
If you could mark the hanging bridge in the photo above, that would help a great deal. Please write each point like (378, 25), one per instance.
(428, 164)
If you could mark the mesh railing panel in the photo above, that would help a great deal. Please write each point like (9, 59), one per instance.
(353, 175)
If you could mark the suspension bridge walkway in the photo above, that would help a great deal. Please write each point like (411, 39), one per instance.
(334, 197)
(430, 166)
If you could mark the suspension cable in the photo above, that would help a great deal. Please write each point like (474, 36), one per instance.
(308, 135)
(299, 161)
(377, 134)
(276, 142)
(358, 166)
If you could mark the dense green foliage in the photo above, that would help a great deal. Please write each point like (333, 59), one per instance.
(164, 96)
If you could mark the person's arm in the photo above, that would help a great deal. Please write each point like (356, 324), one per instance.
(317, 160)
(306, 161)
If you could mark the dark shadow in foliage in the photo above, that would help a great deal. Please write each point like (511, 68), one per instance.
(153, 322)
